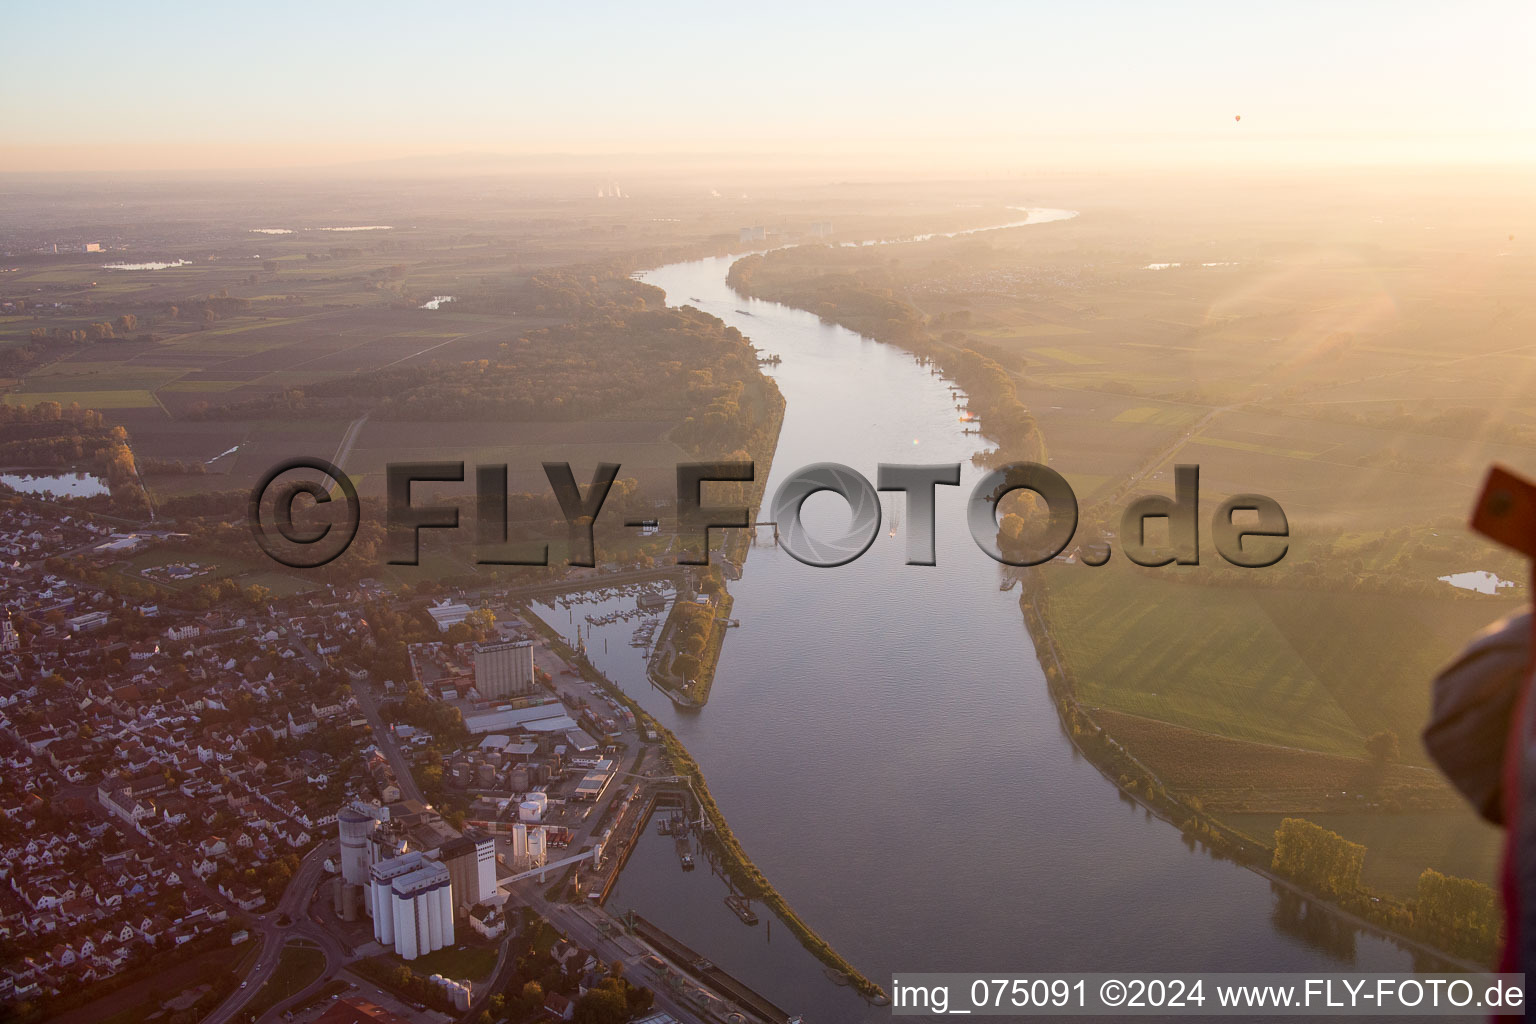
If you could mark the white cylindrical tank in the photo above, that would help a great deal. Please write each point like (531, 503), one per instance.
(383, 914)
(406, 945)
(540, 798)
(423, 926)
(530, 811)
(445, 908)
(519, 844)
(460, 994)
(426, 908)
(536, 847)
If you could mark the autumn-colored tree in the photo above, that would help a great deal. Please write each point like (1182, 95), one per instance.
(1317, 858)
(1456, 913)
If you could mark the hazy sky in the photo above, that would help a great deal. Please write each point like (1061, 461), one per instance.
(102, 85)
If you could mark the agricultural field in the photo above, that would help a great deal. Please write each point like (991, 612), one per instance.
(253, 353)
(641, 449)
(1231, 776)
(1262, 664)
(194, 346)
(102, 400)
(1407, 817)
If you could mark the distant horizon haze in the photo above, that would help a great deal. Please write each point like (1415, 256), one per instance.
(859, 88)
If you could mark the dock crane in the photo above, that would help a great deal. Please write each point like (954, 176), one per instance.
(702, 824)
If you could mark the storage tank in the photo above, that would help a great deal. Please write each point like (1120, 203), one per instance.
(405, 928)
(485, 775)
(423, 930)
(351, 902)
(384, 913)
(354, 827)
(517, 779)
(530, 811)
(426, 907)
(537, 850)
(444, 906)
(542, 799)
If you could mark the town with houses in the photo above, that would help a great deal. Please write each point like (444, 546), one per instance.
(139, 811)
(375, 774)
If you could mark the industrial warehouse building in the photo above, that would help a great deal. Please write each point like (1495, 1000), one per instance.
(548, 716)
(504, 668)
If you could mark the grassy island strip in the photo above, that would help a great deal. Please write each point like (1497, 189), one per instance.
(721, 840)
(688, 650)
(683, 663)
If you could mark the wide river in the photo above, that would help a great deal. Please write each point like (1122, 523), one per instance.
(881, 740)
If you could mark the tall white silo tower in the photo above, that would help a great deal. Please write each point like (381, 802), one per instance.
(354, 827)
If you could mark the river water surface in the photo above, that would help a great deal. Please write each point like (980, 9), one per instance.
(881, 740)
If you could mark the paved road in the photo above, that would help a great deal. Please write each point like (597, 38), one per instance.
(370, 708)
(1168, 451)
(294, 903)
(386, 741)
(451, 341)
(347, 441)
